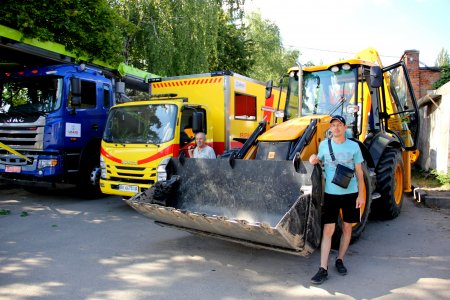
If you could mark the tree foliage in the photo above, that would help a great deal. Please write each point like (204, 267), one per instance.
(443, 61)
(234, 50)
(163, 37)
(183, 37)
(84, 27)
(443, 58)
(271, 59)
(445, 77)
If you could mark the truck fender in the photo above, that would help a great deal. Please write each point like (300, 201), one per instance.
(378, 144)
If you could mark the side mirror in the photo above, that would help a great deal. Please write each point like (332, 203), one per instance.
(351, 109)
(75, 91)
(269, 86)
(198, 121)
(120, 87)
(376, 77)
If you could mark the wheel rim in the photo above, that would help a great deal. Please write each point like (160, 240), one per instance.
(398, 185)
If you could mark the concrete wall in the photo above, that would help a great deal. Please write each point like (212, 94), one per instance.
(434, 141)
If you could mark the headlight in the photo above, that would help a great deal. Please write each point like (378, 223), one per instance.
(42, 163)
(162, 169)
(102, 168)
(102, 162)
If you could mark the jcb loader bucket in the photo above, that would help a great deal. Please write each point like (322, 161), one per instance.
(266, 204)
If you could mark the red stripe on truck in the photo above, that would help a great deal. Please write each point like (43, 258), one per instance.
(162, 153)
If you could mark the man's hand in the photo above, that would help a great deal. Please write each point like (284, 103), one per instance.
(360, 201)
(314, 159)
(191, 151)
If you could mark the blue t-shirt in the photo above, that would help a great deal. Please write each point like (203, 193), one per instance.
(347, 154)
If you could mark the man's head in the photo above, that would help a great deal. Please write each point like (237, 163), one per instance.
(200, 139)
(338, 118)
(337, 126)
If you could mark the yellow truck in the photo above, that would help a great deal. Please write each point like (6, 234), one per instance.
(139, 134)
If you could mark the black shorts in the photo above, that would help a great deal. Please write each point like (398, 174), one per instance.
(332, 205)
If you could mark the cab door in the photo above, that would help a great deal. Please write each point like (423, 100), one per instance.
(85, 121)
(400, 109)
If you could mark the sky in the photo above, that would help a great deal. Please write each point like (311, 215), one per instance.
(325, 31)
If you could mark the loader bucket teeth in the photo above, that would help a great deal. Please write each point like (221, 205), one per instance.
(261, 203)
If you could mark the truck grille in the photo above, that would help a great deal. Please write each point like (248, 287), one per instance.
(131, 174)
(23, 136)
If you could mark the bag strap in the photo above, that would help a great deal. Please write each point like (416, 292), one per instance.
(331, 150)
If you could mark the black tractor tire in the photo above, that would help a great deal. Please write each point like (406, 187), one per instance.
(314, 232)
(86, 189)
(358, 228)
(390, 173)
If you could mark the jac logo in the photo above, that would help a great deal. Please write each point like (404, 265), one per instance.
(15, 120)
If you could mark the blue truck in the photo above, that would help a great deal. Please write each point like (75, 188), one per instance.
(52, 116)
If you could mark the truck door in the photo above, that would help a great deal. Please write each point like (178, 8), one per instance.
(400, 110)
(85, 121)
(187, 126)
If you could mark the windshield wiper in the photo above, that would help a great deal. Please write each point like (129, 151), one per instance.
(340, 103)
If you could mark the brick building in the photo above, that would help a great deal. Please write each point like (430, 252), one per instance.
(434, 144)
(422, 78)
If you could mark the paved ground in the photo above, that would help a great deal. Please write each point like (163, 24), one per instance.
(60, 247)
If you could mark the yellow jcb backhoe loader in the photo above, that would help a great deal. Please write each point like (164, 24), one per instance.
(266, 194)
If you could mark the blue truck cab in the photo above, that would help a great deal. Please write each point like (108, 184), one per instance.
(51, 122)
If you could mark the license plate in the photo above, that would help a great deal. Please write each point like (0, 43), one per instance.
(13, 169)
(128, 188)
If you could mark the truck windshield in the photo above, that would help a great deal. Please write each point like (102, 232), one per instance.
(31, 95)
(327, 92)
(141, 124)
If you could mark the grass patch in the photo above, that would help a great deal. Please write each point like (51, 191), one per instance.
(4, 212)
(430, 179)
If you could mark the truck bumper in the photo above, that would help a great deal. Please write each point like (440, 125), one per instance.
(124, 189)
(17, 171)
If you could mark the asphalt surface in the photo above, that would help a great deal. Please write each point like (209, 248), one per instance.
(58, 246)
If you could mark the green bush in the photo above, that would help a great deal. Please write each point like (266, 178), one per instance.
(443, 178)
(445, 77)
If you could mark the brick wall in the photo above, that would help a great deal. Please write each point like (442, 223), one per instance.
(422, 78)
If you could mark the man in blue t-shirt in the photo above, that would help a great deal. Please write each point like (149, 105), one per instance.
(348, 199)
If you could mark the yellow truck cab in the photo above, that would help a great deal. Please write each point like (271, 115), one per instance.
(139, 134)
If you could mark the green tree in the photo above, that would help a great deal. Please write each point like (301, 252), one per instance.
(177, 37)
(234, 50)
(443, 61)
(445, 77)
(165, 37)
(443, 58)
(271, 59)
(84, 27)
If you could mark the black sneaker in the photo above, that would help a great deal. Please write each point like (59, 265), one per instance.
(320, 276)
(340, 267)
